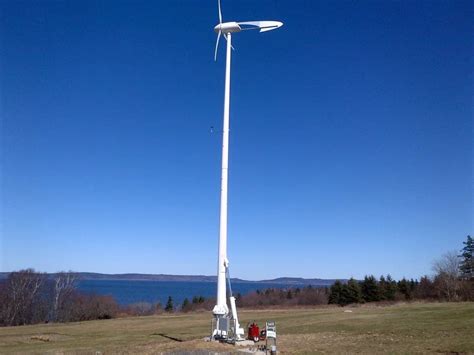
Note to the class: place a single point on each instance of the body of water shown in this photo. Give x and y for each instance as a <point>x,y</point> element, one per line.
<point>128,292</point>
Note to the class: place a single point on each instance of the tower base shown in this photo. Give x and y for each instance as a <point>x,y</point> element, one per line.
<point>224,328</point>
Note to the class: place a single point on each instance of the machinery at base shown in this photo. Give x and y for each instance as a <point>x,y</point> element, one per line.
<point>268,334</point>
<point>253,332</point>
<point>225,326</point>
<point>271,337</point>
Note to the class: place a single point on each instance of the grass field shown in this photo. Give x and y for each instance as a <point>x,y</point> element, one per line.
<point>403,328</point>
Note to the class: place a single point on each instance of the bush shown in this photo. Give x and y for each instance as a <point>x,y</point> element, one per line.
<point>141,309</point>
<point>91,306</point>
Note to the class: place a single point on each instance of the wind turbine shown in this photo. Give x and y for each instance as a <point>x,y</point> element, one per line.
<point>224,324</point>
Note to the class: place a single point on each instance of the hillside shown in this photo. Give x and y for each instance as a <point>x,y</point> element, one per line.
<point>296,281</point>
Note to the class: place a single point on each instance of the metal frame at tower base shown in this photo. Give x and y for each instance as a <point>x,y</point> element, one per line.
<point>224,329</point>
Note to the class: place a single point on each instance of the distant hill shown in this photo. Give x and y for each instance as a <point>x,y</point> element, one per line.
<point>301,281</point>
<point>296,281</point>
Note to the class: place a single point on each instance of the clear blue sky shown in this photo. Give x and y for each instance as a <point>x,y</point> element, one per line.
<point>351,136</point>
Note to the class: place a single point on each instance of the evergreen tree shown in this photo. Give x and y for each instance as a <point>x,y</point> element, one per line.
<point>169,305</point>
<point>383,286</point>
<point>466,267</point>
<point>344,298</point>
<point>390,289</point>
<point>370,289</point>
<point>185,305</point>
<point>352,292</point>
<point>404,288</point>
<point>413,284</point>
<point>335,293</point>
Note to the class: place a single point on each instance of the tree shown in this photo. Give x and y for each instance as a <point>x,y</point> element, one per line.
<point>311,296</point>
<point>425,289</point>
<point>447,275</point>
<point>448,264</point>
<point>335,293</point>
<point>169,305</point>
<point>383,285</point>
<point>344,294</point>
<point>24,298</point>
<point>370,289</point>
<point>404,288</point>
<point>186,305</point>
<point>64,286</point>
<point>466,266</point>
<point>390,289</point>
<point>352,292</point>
<point>140,309</point>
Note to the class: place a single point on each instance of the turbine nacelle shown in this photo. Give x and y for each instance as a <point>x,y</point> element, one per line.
<point>231,27</point>
<point>227,27</point>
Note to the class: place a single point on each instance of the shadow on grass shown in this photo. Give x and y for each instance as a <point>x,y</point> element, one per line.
<point>168,337</point>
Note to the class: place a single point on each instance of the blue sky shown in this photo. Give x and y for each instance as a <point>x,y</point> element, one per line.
<point>350,151</point>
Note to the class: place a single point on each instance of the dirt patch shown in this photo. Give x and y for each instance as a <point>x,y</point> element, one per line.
<point>35,338</point>
<point>48,337</point>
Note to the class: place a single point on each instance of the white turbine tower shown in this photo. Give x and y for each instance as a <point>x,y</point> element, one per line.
<point>226,326</point>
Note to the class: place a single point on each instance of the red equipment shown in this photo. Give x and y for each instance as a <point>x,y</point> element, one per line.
<point>254,332</point>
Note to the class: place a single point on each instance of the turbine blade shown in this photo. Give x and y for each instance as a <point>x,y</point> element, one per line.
<point>265,29</point>
<point>263,26</point>
<point>231,46</point>
<point>217,46</point>
<point>220,12</point>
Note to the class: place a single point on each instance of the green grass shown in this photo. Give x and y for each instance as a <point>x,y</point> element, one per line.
<point>404,328</point>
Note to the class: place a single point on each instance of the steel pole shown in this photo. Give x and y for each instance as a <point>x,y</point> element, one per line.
<point>221,306</point>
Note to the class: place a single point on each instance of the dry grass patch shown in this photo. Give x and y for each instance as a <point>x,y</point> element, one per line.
<point>405,328</point>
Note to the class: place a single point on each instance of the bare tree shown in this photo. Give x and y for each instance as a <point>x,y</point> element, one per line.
<point>140,309</point>
<point>29,297</point>
<point>64,286</point>
<point>447,275</point>
<point>21,294</point>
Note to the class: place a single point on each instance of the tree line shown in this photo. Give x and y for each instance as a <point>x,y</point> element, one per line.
<point>28,297</point>
<point>453,280</point>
